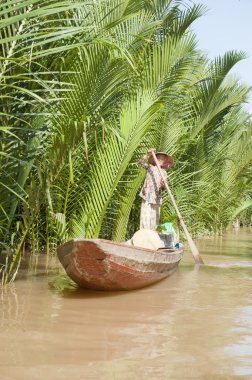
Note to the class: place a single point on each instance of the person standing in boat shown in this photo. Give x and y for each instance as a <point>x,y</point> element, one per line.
<point>151,192</point>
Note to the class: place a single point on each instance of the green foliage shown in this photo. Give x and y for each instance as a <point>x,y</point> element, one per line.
<point>86,89</point>
<point>62,283</point>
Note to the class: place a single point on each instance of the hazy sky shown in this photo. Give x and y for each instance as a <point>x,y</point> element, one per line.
<point>227,25</point>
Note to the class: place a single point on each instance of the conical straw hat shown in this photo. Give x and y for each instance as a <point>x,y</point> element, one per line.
<point>146,239</point>
<point>168,160</point>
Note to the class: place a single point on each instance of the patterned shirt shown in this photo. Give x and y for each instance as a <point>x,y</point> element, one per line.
<point>151,191</point>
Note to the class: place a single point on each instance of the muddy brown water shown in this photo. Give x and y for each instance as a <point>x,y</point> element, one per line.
<point>197,324</point>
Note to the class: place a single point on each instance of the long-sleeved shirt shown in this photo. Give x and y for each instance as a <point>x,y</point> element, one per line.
<point>151,191</point>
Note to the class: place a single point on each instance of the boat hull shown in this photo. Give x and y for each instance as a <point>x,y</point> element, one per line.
<point>105,265</point>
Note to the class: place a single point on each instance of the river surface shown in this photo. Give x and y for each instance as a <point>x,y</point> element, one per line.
<point>196,324</point>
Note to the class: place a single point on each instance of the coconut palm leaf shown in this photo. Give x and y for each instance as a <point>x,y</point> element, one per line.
<point>211,92</point>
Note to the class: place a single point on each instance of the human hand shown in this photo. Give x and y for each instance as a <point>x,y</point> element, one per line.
<point>162,184</point>
<point>149,151</point>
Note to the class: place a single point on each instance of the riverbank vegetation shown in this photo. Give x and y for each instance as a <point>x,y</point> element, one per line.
<point>86,88</point>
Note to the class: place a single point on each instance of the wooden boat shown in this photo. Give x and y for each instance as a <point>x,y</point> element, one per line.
<point>106,265</point>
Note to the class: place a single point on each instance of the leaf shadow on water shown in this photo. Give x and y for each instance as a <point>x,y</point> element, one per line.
<point>67,288</point>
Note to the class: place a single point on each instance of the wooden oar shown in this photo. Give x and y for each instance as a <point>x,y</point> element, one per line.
<point>191,243</point>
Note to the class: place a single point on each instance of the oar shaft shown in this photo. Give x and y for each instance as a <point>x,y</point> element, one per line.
<point>191,243</point>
